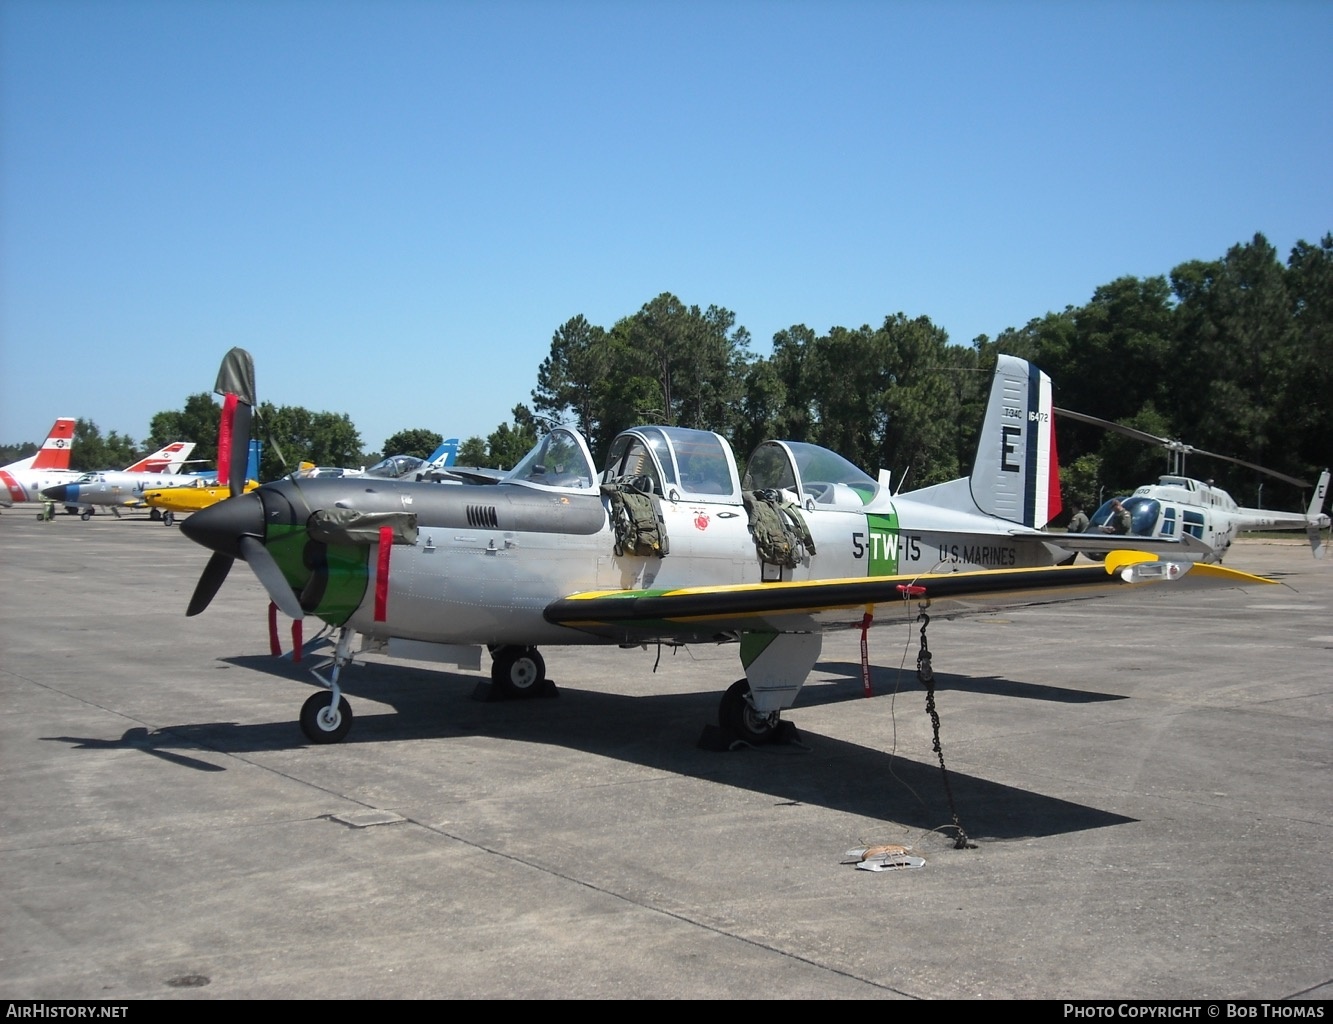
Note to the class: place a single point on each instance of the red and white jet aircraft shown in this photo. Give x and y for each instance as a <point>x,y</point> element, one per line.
<point>23,480</point>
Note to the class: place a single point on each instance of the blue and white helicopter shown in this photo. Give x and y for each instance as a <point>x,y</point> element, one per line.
<point>1198,513</point>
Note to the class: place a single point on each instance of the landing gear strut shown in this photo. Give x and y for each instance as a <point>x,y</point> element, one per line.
<point>326,717</point>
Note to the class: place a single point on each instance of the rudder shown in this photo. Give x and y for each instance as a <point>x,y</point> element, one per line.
<point>1016,475</point>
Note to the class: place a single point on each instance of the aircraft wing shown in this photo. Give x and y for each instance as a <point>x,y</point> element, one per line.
<point>693,614</point>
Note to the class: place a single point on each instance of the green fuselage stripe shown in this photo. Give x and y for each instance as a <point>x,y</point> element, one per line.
<point>883,544</point>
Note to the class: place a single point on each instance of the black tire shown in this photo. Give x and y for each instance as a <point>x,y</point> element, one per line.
<point>736,715</point>
<point>86,514</point>
<point>323,724</point>
<point>155,514</point>
<point>517,671</point>
<point>168,518</point>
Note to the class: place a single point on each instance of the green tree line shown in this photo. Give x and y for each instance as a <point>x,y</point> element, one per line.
<point>1232,355</point>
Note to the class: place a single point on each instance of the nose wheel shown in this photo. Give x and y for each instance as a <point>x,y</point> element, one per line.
<point>326,717</point>
<point>323,721</point>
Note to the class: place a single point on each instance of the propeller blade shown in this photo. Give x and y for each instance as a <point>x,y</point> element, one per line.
<point>240,449</point>
<point>209,581</point>
<point>265,567</point>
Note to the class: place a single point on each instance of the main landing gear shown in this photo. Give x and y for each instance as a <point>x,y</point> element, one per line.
<point>517,672</point>
<point>776,666</point>
<point>736,714</point>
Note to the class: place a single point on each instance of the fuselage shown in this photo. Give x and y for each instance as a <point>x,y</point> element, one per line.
<point>113,487</point>
<point>488,560</point>
<point>19,485</point>
<point>1176,507</point>
<point>188,498</point>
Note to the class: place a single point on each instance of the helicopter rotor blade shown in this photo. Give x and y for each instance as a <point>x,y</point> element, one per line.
<point>1250,465</point>
<point>1175,446</point>
<point>1119,428</point>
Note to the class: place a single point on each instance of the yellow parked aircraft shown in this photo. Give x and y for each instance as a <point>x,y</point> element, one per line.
<point>184,500</point>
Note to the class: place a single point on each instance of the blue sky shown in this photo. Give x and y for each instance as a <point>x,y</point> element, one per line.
<point>393,205</point>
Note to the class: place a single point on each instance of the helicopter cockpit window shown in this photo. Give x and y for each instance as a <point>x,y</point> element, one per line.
<point>1143,515</point>
<point>558,460</point>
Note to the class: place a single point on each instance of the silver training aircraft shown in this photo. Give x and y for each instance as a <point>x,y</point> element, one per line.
<point>670,541</point>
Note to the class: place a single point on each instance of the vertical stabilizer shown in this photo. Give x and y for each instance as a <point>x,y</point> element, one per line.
<point>1315,520</point>
<point>445,454</point>
<point>168,459</point>
<point>55,450</point>
<point>1016,475</point>
<point>252,459</point>
<point>1316,508</point>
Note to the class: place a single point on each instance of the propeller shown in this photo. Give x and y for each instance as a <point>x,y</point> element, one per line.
<point>1179,448</point>
<point>235,528</point>
<point>210,581</point>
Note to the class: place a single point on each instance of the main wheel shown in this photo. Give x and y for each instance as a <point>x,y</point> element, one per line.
<point>86,514</point>
<point>517,671</point>
<point>168,518</point>
<point>323,723</point>
<point>737,715</point>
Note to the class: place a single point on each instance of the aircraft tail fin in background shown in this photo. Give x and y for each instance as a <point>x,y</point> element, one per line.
<point>445,455</point>
<point>55,450</point>
<point>1016,474</point>
<point>164,460</point>
<point>1315,520</point>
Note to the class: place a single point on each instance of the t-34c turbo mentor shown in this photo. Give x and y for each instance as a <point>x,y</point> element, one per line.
<point>668,542</point>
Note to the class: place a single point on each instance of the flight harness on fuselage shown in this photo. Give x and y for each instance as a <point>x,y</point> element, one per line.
<point>780,534</point>
<point>636,517</point>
